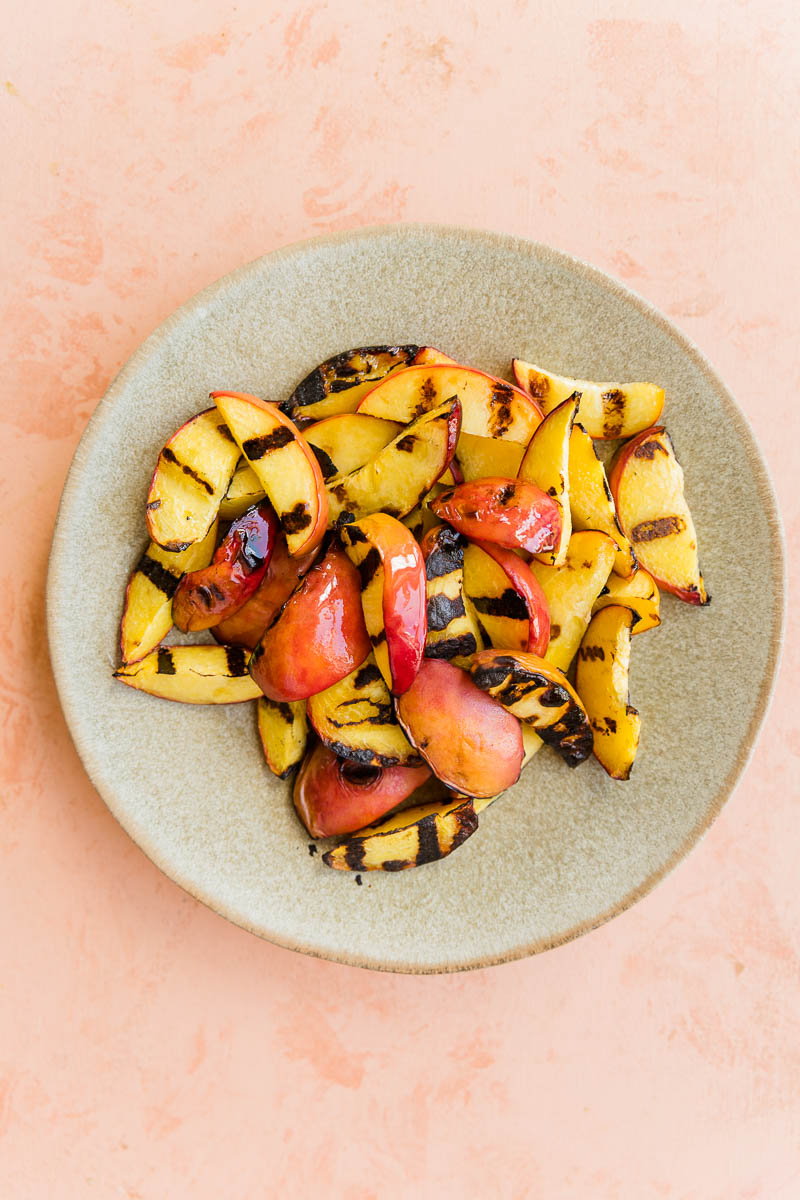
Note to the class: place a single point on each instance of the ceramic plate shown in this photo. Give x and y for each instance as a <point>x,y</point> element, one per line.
<point>562,851</point>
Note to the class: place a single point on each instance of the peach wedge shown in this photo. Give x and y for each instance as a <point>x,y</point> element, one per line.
<point>606,410</point>
<point>546,463</point>
<point>193,675</point>
<point>590,500</point>
<point>340,382</point>
<point>333,796</point>
<point>410,838</point>
<point>647,482</point>
<point>601,680</point>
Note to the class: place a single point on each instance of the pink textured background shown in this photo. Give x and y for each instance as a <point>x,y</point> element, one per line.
<point>147,1048</point>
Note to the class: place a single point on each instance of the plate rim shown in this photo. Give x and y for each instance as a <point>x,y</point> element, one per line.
<point>761,476</point>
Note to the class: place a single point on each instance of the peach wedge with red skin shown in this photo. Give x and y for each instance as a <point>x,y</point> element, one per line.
<point>527,586</point>
<point>490,407</point>
<point>333,795</point>
<point>536,692</point>
<point>646,480</point>
<point>318,637</point>
<point>508,512</point>
<point>284,463</point>
<point>469,741</point>
<point>392,574</point>
<point>453,631</point>
<point>205,597</point>
<point>246,626</point>
<point>606,410</point>
<point>192,475</point>
<point>546,463</point>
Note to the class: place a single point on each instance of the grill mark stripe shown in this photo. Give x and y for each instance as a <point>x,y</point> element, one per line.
<point>236,660</point>
<point>256,447</point>
<point>649,531</point>
<point>369,566</point>
<point>354,854</point>
<point>442,609</point>
<point>165,663</point>
<point>509,604</point>
<point>449,648</point>
<point>171,457</point>
<point>158,575</point>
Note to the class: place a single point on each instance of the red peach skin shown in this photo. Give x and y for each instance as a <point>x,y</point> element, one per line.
<point>507,512</point>
<point>246,626</point>
<point>333,796</point>
<point>318,637</point>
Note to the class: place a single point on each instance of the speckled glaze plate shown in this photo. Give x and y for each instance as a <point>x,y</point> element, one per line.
<point>563,850</point>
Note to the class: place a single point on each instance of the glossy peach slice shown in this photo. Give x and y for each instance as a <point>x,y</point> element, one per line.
<point>246,626</point>
<point>318,637</point>
<point>546,463</point>
<point>467,739</point>
<point>392,574</point>
<point>334,795</point>
<point>205,597</point>
<point>508,512</point>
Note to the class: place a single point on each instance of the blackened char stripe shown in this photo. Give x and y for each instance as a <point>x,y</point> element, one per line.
<point>368,566</point>
<point>236,659</point>
<point>429,848</point>
<point>449,648</point>
<point>444,609</point>
<point>165,664</point>
<point>257,447</point>
<point>510,604</point>
<point>159,576</point>
<point>171,457</point>
<point>354,854</point>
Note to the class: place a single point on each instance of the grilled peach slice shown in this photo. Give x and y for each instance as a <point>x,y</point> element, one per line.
<point>243,492</point>
<point>639,593</point>
<point>193,675</point>
<point>490,407</point>
<point>571,590</point>
<point>527,586</point>
<point>392,575</point>
<point>590,499</point>
<point>283,730</point>
<point>284,464</point>
<point>205,597</point>
<point>501,612</point>
<point>318,636</point>
<point>481,457</point>
<point>647,483</point>
<point>246,626</point>
<point>336,795</point>
<point>191,477</point>
<point>346,442</point>
<point>403,473</point>
<point>606,410</point>
<point>537,692</point>
<point>147,614</point>
<point>601,679</point>
<point>338,384</point>
<point>508,512</point>
<point>546,463</point>
<point>468,740</point>
<point>410,838</point>
<point>453,631</point>
<point>355,719</point>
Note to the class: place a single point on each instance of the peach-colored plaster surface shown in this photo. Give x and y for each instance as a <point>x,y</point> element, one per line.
<point>148,1049</point>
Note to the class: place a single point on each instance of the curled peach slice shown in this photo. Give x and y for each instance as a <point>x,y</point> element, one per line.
<point>410,838</point>
<point>509,512</point>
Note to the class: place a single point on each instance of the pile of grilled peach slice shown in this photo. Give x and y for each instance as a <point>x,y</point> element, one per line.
<point>421,574</point>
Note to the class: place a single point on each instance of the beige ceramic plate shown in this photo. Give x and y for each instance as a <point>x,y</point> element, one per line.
<point>564,850</point>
